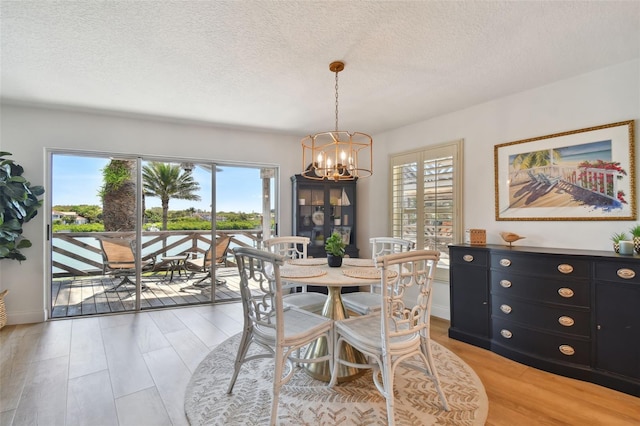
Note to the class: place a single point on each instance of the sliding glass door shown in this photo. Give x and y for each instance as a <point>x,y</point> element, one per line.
<point>93,234</point>
<point>138,233</point>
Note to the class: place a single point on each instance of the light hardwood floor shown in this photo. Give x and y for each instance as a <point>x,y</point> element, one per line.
<point>132,369</point>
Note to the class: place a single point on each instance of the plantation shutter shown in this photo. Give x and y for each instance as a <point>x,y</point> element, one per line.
<point>426,197</point>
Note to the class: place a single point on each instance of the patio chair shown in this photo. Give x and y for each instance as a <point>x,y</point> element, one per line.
<point>400,331</point>
<point>118,259</point>
<point>281,332</point>
<point>366,302</point>
<point>548,180</point>
<point>215,256</point>
<point>295,247</point>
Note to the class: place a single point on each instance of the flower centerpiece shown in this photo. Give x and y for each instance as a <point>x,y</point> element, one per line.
<point>334,247</point>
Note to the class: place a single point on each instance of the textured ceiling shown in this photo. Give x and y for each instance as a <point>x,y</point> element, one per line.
<point>265,64</point>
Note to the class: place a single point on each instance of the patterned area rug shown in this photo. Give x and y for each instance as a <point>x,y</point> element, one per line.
<point>306,401</point>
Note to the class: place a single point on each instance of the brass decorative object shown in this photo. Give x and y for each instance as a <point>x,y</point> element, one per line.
<point>337,155</point>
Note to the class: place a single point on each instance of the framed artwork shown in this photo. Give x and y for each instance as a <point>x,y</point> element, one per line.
<point>345,233</point>
<point>586,174</point>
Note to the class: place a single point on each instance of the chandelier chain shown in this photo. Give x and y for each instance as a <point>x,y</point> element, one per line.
<point>337,101</point>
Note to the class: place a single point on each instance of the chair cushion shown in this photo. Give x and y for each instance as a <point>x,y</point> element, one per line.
<point>366,331</point>
<point>308,300</point>
<point>361,302</point>
<point>298,325</point>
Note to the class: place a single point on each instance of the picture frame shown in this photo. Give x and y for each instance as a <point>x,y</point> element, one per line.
<point>585,174</point>
<point>345,233</point>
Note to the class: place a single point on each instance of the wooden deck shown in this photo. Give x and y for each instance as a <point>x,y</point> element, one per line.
<point>76,296</point>
<point>563,194</point>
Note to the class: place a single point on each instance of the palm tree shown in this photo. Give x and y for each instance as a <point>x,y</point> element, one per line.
<point>118,195</point>
<point>530,160</point>
<point>166,181</point>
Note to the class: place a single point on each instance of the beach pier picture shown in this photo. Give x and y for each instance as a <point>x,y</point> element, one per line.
<point>582,179</point>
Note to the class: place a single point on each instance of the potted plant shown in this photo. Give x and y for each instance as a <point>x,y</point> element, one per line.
<point>616,238</point>
<point>635,233</point>
<point>19,204</point>
<point>334,247</point>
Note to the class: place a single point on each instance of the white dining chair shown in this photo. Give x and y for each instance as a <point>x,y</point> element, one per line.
<point>398,332</point>
<point>280,331</point>
<point>366,302</point>
<point>295,247</point>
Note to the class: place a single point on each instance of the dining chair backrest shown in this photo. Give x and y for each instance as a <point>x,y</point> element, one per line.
<point>260,288</point>
<point>291,247</point>
<point>403,315</point>
<point>389,245</point>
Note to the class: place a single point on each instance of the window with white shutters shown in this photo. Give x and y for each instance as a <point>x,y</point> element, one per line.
<point>426,197</point>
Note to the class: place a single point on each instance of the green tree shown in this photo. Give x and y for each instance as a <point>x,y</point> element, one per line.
<point>118,195</point>
<point>528,160</point>
<point>167,181</point>
<point>92,213</point>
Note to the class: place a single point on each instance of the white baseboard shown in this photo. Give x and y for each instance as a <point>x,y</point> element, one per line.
<point>26,317</point>
<point>440,311</point>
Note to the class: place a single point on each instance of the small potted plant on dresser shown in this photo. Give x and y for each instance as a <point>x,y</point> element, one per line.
<point>635,235</point>
<point>334,247</point>
<point>616,238</point>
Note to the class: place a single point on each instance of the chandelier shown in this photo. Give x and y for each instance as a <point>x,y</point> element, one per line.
<point>337,155</point>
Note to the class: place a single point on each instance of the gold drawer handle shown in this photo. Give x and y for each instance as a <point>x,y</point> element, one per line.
<point>505,262</point>
<point>467,258</point>
<point>505,283</point>
<point>505,308</point>
<point>565,292</point>
<point>565,268</point>
<point>567,350</point>
<point>506,334</point>
<point>566,321</point>
<point>626,273</point>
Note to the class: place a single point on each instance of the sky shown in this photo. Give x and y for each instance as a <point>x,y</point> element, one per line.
<point>77,180</point>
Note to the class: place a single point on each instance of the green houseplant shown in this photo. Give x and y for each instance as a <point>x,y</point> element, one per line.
<point>19,204</point>
<point>635,233</point>
<point>334,247</point>
<point>616,238</point>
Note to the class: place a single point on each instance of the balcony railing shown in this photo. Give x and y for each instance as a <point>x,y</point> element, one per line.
<point>79,253</point>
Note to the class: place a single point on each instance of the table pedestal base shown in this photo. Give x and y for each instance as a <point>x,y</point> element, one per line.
<point>334,309</point>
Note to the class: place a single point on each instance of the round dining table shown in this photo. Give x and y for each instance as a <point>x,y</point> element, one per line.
<point>317,272</point>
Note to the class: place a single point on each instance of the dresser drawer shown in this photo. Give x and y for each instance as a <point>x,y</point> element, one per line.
<point>550,318</point>
<point>618,272</point>
<point>543,266</point>
<point>565,292</point>
<point>469,256</point>
<point>541,344</point>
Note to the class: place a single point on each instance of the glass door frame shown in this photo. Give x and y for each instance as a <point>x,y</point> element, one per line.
<point>268,192</point>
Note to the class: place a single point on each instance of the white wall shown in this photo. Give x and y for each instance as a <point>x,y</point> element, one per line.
<point>604,96</point>
<point>27,132</point>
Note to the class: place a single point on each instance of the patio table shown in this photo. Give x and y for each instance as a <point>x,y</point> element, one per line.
<point>176,263</point>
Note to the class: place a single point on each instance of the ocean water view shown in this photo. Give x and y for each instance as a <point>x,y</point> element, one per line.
<point>604,155</point>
